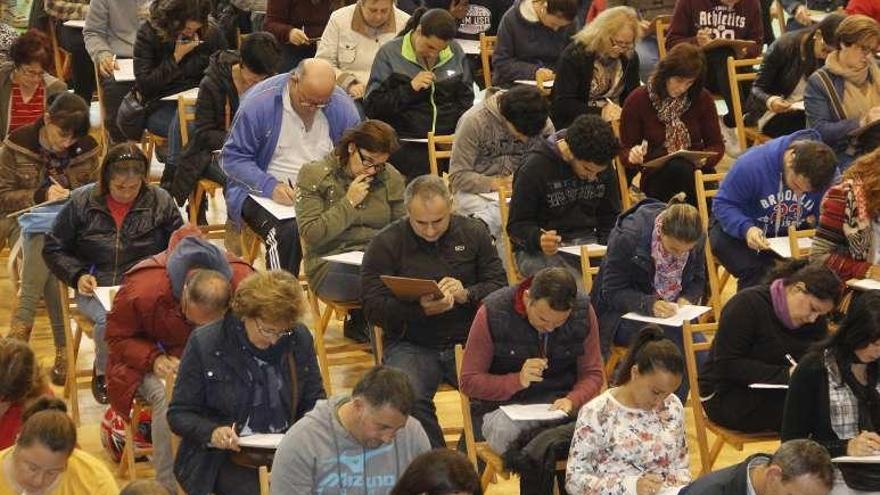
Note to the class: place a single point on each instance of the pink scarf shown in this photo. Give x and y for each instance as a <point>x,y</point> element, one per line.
<point>667,266</point>
<point>780,303</point>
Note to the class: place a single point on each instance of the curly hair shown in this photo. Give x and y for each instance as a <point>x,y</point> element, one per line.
<point>864,169</point>
<point>274,296</point>
<point>590,138</point>
<point>32,46</point>
<point>169,17</point>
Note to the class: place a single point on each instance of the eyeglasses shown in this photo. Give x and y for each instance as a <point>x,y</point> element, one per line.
<point>623,45</point>
<point>271,335</point>
<point>369,162</point>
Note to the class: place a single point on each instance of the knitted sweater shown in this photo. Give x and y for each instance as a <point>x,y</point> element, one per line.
<point>832,244</point>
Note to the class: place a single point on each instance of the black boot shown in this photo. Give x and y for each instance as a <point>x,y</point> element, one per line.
<point>356,327</point>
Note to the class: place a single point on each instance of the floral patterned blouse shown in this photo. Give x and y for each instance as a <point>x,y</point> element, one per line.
<point>614,445</point>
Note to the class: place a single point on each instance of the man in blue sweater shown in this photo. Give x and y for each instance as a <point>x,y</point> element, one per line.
<point>282,123</point>
<point>770,187</point>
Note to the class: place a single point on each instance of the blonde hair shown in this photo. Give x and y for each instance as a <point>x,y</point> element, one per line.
<point>858,30</point>
<point>274,296</point>
<point>596,36</point>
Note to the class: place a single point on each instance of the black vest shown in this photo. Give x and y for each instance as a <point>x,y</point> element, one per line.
<point>515,341</point>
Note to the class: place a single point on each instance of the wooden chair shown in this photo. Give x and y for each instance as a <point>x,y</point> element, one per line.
<point>326,354</point>
<point>513,275</point>
<point>131,453</point>
<point>778,15</point>
<point>439,148</point>
<point>661,25</point>
<point>707,187</point>
<point>622,184</point>
<point>702,423</point>
<point>794,241</point>
<point>102,112</point>
<point>71,316</point>
<point>745,135</point>
<point>265,478</point>
<point>487,48</point>
<point>60,57</point>
<point>251,244</point>
<point>149,142</point>
<point>186,113</point>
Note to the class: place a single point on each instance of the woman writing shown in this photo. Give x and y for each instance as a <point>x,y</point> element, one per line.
<point>20,383</point>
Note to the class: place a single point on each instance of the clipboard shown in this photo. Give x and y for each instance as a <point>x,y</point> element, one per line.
<point>739,46</point>
<point>411,289</point>
<point>697,158</point>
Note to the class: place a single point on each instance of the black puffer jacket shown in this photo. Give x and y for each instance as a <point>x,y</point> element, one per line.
<point>155,71</point>
<point>215,91</point>
<point>85,235</point>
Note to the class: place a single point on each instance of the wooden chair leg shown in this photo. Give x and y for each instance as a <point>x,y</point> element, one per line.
<point>488,477</point>
<point>321,348</point>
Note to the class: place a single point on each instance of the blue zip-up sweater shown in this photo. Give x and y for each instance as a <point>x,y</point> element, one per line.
<point>251,142</point>
<point>750,193</point>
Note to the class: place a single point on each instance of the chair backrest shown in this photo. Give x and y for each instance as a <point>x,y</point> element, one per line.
<point>622,184</point>
<point>794,241</point>
<point>691,348</point>
<point>661,25</point>
<point>60,57</point>
<point>469,439</point>
<point>778,13</point>
<point>707,186</point>
<point>588,271</point>
<point>265,479</point>
<point>513,275</point>
<point>736,77</point>
<point>487,49</point>
<point>186,113</point>
<point>439,148</point>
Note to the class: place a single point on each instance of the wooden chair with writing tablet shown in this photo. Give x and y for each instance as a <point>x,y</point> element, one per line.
<point>745,135</point>
<point>707,186</point>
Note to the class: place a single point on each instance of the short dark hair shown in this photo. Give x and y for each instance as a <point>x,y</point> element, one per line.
<point>860,326</point>
<point>650,349</point>
<point>208,289</point>
<point>525,108</point>
<point>32,46</point>
<point>801,457</point>
<point>557,286</point>
<point>383,385</point>
<point>169,17</point>
<point>683,60</point>
<point>819,281</point>
<point>434,22</point>
<point>122,159</point>
<point>20,378</point>
<point>814,160</point>
<point>260,53</point>
<point>69,112</point>
<point>371,135</point>
<point>439,472</point>
<point>567,9</point>
<point>46,421</point>
<point>590,138</point>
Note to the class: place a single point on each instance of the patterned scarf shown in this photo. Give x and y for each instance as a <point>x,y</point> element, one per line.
<point>56,165</point>
<point>669,111</point>
<point>667,266</point>
<point>607,79</point>
<point>856,224</point>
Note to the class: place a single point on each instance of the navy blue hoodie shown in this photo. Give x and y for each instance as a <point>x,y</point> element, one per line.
<point>754,190</point>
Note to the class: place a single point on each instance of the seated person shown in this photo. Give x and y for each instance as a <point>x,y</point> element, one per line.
<point>474,17</point>
<point>439,472</point>
<point>429,243</point>
<point>296,25</point>
<point>253,371</point>
<point>763,331</point>
<point>344,200</point>
<point>649,53</point>
<point>531,36</point>
<point>631,439</point>
<point>654,263</point>
<point>44,161</point>
<point>783,75</point>
<point>598,69</point>
<point>229,74</point>
<point>832,395</point>
<point>770,187</point>
<point>561,365</point>
<point>161,300</point>
<point>845,94</point>
<point>491,142</point>
<point>848,222</point>
<point>420,82</point>
<point>798,466</point>
<point>110,31</point>
<point>283,123</point>
<point>702,21</point>
<point>103,230</point>
<point>25,86</point>
<point>672,112</point>
<point>145,487</point>
<point>70,39</point>
<point>45,458</point>
<point>20,384</point>
<point>354,35</point>
<point>565,193</point>
<point>799,14</point>
<point>324,450</point>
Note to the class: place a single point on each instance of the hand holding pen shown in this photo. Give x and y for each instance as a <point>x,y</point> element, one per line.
<point>225,438</point>
<point>87,282</point>
<point>756,240</point>
<point>56,191</point>
<point>284,194</point>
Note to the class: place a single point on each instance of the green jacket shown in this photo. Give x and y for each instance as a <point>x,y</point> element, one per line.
<point>328,224</point>
<point>50,83</point>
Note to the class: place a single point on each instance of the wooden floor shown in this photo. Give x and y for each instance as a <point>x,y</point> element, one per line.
<point>343,379</point>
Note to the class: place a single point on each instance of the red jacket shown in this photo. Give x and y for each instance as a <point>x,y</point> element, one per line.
<point>145,314</point>
<point>742,22</point>
<point>864,7</point>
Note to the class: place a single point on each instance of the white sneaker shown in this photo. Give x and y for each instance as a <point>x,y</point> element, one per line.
<point>731,141</point>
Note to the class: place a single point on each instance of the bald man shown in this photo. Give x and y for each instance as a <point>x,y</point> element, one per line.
<point>282,123</point>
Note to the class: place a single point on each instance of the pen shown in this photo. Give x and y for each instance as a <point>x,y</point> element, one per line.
<point>92,270</point>
<point>791,359</point>
<point>608,100</point>
<point>161,347</point>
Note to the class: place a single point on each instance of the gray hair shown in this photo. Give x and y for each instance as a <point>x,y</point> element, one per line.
<point>426,187</point>
<point>208,289</point>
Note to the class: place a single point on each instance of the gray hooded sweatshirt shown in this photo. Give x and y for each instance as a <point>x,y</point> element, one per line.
<point>317,452</point>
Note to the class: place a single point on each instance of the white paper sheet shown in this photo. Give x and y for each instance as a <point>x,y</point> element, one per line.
<point>191,93</point>
<point>685,313</point>
<point>78,24</point>
<point>103,295</point>
<point>782,247</point>
<point>864,284</point>
<point>491,196</point>
<point>868,459</point>
<point>597,249</point>
<point>531,412</point>
<point>530,82</point>
<point>261,441</point>
<point>415,140</point>
<point>125,72</point>
<point>355,258</point>
<point>798,105</point>
<point>768,386</point>
<point>470,47</point>
<point>278,210</point>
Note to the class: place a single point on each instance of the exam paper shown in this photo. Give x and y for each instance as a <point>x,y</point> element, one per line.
<point>261,440</point>
<point>355,258</point>
<point>532,412</point>
<point>685,313</point>
<point>278,210</point>
<point>594,249</point>
<point>125,72</point>
<point>769,386</point>
<point>782,246</point>
<point>104,295</point>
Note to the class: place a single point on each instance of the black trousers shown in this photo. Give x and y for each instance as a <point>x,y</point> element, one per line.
<point>783,124</point>
<point>718,83</point>
<point>747,265</point>
<point>676,176</point>
<point>411,160</point>
<point>71,39</point>
<point>747,410</point>
<point>283,250</point>
<point>233,479</point>
<point>114,92</point>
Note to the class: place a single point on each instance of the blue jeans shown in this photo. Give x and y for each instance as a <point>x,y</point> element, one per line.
<point>94,310</point>
<point>649,55</point>
<point>427,369</point>
<point>162,112</point>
